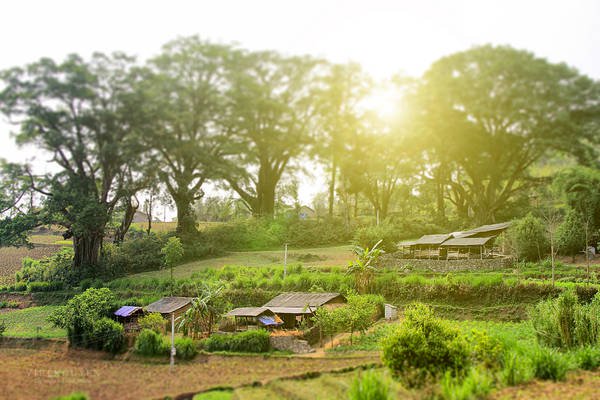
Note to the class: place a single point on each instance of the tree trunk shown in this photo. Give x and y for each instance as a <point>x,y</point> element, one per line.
<point>87,250</point>
<point>125,223</point>
<point>332,186</point>
<point>186,222</point>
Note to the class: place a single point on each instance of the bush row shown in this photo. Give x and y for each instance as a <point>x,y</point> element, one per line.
<point>245,342</point>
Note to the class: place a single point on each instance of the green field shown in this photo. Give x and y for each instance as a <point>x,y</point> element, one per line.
<point>319,257</point>
<point>30,323</point>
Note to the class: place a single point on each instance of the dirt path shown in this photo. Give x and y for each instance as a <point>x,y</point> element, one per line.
<point>43,374</point>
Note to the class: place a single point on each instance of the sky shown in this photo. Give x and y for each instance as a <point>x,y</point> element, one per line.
<point>386,37</point>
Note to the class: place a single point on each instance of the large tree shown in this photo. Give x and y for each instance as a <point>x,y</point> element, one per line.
<point>379,163</point>
<point>268,123</point>
<point>339,105</point>
<point>186,85</point>
<point>489,113</point>
<point>86,115</point>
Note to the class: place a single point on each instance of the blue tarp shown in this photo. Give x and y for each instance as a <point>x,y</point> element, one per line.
<point>265,320</point>
<point>126,311</point>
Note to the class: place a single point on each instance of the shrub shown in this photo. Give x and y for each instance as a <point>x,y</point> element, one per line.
<point>588,358</point>
<point>150,343</point>
<point>108,335</point>
<point>486,349</point>
<point>186,348</point>
<point>44,286</point>
<point>564,323</point>
<point>477,384</point>
<point>369,386</point>
<point>529,237</point>
<point>2,327</point>
<point>56,267</point>
<point>133,255</point>
<point>80,313</point>
<point>247,342</point>
<point>549,364</point>
<point>20,287</point>
<point>424,347</point>
<point>368,235</point>
<point>153,321</point>
<point>570,236</point>
<point>73,396</point>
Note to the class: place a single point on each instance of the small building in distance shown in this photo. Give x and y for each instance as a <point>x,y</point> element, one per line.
<point>128,316</point>
<point>170,307</point>
<point>467,247</point>
<point>254,317</point>
<point>477,242</point>
<point>294,307</point>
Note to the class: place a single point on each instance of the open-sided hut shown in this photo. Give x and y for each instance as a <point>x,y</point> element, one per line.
<point>170,307</point>
<point>254,317</point>
<point>428,246</point>
<point>485,231</point>
<point>478,247</point>
<point>293,307</point>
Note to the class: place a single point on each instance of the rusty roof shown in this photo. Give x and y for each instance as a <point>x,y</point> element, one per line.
<point>467,242</point>
<point>486,229</point>
<point>433,239</point>
<point>293,310</point>
<point>167,305</point>
<point>301,300</point>
<point>247,312</point>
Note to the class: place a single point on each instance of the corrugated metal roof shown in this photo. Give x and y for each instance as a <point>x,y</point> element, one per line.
<point>407,243</point>
<point>246,312</point>
<point>127,311</point>
<point>301,299</point>
<point>292,310</point>
<point>466,242</point>
<point>486,229</point>
<point>433,239</point>
<point>167,305</point>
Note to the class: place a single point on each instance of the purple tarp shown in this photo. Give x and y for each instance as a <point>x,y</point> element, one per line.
<point>127,311</point>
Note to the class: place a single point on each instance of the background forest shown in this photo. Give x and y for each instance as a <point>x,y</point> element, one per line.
<point>486,135</point>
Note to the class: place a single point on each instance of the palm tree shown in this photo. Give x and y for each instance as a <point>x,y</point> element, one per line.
<point>364,268</point>
<point>205,309</point>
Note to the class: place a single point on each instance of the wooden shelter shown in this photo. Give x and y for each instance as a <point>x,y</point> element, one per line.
<point>428,246</point>
<point>128,316</point>
<point>478,247</point>
<point>254,317</point>
<point>294,307</point>
<point>170,307</point>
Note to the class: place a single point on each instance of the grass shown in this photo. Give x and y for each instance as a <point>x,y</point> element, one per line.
<point>49,239</point>
<point>327,256</point>
<point>30,323</point>
<point>215,395</point>
<point>510,333</point>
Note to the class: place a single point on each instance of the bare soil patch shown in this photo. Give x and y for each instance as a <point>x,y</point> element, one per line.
<point>581,385</point>
<point>10,259</point>
<point>42,374</point>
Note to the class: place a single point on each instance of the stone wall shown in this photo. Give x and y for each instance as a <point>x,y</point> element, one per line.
<point>290,343</point>
<point>394,261</point>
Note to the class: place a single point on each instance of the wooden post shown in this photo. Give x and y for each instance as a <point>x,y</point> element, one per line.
<point>172,364</point>
<point>285,262</point>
